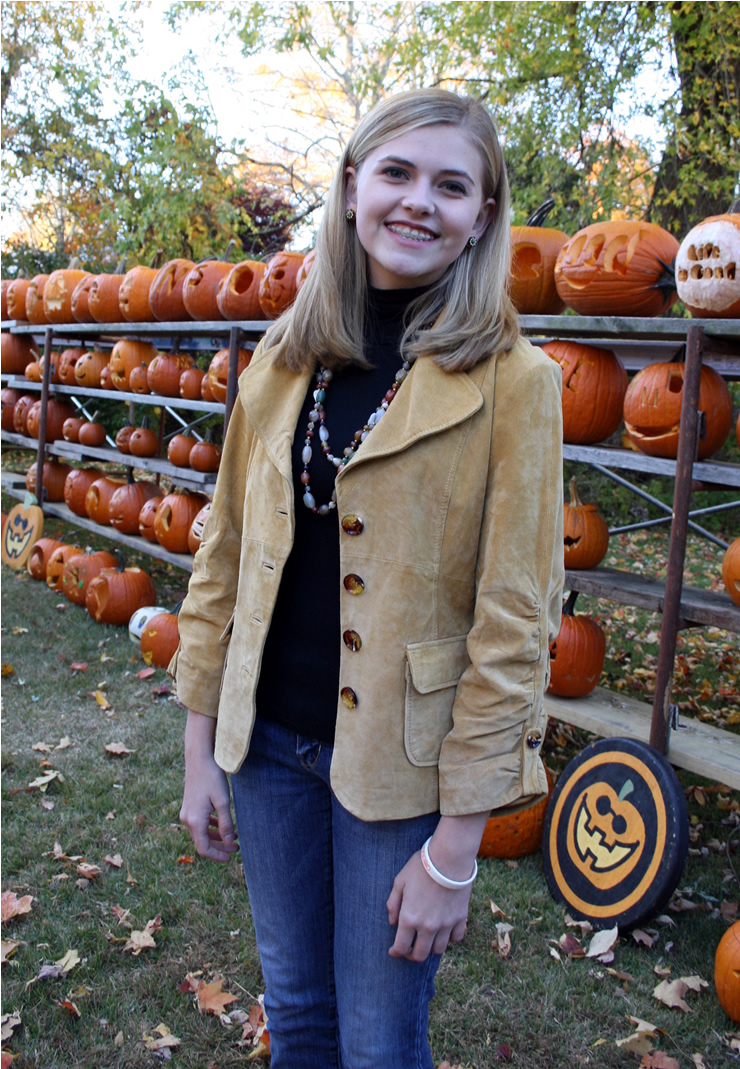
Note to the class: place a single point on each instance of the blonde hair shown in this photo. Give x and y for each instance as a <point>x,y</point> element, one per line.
<point>460,319</point>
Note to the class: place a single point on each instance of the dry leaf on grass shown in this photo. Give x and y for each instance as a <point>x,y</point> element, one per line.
<point>101,698</point>
<point>116,860</point>
<point>603,943</point>
<point>8,1022</point>
<point>495,909</point>
<point>163,1040</point>
<point>78,666</point>
<point>571,946</point>
<point>503,939</point>
<point>728,911</point>
<point>659,1060</point>
<point>12,906</point>
<point>145,673</point>
<point>8,948</point>
<point>42,747</point>
<point>642,937</point>
<point>143,940</point>
<point>671,992</point>
<point>118,749</point>
<point>698,1060</point>
<point>69,1007</point>
<point>640,1041</point>
<point>88,871</point>
<point>212,998</point>
<point>42,782</point>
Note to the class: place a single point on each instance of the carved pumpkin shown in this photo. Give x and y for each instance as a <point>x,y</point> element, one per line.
<point>200,289</point>
<point>20,412</point>
<point>128,501</point>
<point>38,560</point>
<point>8,399</point>
<point>133,296</point>
<point>76,485</point>
<point>32,371</point>
<point>159,639</point>
<point>163,374</point>
<point>727,972</point>
<point>106,378</point>
<point>66,366</point>
<point>144,442</point>
<point>218,371</point>
<point>190,382</point>
<point>4,301</point>
<point>585,532</point>
<point>174,518</point>
<point>52,479</point>
<point>178,450</point>
<point>128,355</point>
<point>205,389</point>
<point>55,566</point>
<point>278,285</point>
<point>576,655</point>
<point>80,570</point>
<point>123,437</point>
<point>103,298</point>
<point>81,300</point>
<point>238,295</point>
<point>652,410</point>
<point>534,251</point>
<point>57,412</point>
<point>88,369</point>
<point>303,271</point>
<point>594,385</point>
<point>35,300</point>
<point>16,352</point>
<point>147,516</point>
<point>518,833</point>
<point>731,570</point>
<point>138,380</point>
<point>205,456</point>
<point>195,535</point>
<point>115,595</point>
<point>707,278</point>
<point>165,292</point>
<point>98,499</point>
<point>53,370</point>
<point>618,268</point>
<point>91,434</point>
<point>16,300</point>
<point>71,428</point>
<point>58,294</point>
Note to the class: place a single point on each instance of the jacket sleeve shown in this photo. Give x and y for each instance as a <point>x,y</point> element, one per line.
<point>490,758</point>
<point>206,614</point>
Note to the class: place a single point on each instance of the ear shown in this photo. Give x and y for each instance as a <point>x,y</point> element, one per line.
<point>485,218</point>
<point>350,190</point>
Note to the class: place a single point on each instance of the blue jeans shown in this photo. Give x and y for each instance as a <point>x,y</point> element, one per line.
<point>318,881</point>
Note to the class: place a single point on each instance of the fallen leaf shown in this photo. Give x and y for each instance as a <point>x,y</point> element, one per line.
<point>185,859</point>
<point>146,672</point>
<point>118,1041</point>
<point>659,1060</point>
<point>68,962</point>
<point>672,992</point>
<point>117,749</point>
<point>42,782</point>
<point>101,698</point>
<point>7,670</point>
<point>116,860</point>
<point>64,743</point>
<point>47,972</point>
<point>69,1007</point>
<point>190,983</point>
<point>12,906</point>
<point>603,943</point>
<point>20,630</point>
<point>585,926</point>
<point>728,911</point>
<point>698,1060</point>
<point>625,976</point>
<point>106,657</point>
<point>139,941</point>
<point>663,971</point>
<point>495,910</point>
<point>212,998</point>
<point>164,1040</point>
<point>79,666</point>
<point>642,937</point>
<point>47,803</point>
<point>571,946</point>
<point>640,1041</point>
<point>554,954</point>
<point>503,939</point>
<point>503,1053</point>
<point>8,1022</point>
<point>88,871</point>
<point>42,747</point>
<point>8,948</point>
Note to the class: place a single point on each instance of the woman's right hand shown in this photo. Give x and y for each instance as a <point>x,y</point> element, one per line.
<point>206,792</point>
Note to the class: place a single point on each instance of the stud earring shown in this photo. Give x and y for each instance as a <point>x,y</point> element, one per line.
<point>350,215</point>
<point>472,241</point>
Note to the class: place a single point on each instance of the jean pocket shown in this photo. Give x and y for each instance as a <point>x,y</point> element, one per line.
<point>433,670</point>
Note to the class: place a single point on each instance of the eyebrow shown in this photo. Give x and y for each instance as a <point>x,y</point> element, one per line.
<point>410,163</point>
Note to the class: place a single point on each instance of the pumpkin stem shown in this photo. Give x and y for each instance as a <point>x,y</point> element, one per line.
<point>229,250</point>
<point>157,259</point>
<point>121,266</point>
<point>130,476</point>
<point>121,565</point>
<point>537,218</point>
<point>575,501</point>
<point>570,604</point>
<point>667,281</point>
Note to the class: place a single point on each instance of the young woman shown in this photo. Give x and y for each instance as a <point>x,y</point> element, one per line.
<point>364,645</point>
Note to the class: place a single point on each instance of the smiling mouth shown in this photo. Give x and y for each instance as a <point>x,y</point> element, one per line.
<point>410,232</point>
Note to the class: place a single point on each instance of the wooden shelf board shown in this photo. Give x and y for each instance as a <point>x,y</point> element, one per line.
<point>708,608</point>
<point>217,407</point>
<point>695,746</point>
<point>218,328</point>
<point>640,327</point>
<point>136,542</point>
<point>719,472</point>
<point>204,482</point>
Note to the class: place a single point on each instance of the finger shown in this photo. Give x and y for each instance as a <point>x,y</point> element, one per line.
<point>458,932</point>
<point>441,941</point>
<point>403,944</point>
<point>393,905</point>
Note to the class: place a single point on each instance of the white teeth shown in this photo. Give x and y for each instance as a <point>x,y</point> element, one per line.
<point>408,232</point>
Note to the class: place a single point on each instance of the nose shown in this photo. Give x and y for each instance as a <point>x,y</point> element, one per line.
<point>418,197</point>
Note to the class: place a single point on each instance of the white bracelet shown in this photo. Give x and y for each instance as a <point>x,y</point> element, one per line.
<point>436,875</point>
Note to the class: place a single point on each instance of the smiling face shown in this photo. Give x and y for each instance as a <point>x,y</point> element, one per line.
<point>418,198</point>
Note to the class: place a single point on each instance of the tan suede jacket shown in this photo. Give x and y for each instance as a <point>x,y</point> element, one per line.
<point>456,504</point>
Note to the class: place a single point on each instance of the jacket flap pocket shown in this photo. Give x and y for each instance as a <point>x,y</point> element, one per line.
<point>435,665</point>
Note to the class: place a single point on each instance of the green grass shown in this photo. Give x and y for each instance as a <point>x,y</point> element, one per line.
<point>552,1015</point>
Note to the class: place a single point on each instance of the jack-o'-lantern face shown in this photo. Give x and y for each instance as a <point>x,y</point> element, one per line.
<point>607,834</point>
<point>707,277</point>
<point>22,529</point>
<point>278,284</point>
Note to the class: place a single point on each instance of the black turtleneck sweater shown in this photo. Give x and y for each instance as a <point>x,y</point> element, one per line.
<point>299,679</point>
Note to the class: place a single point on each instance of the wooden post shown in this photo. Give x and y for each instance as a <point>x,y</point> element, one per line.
<point>688,439</point>
<point>232,383</point>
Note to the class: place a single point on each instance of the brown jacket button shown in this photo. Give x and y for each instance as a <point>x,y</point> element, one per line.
<point>534,738</point>
<point>349,697</point>
<point>354,584</point>
<point>352,525</point>
<point>352,640</point>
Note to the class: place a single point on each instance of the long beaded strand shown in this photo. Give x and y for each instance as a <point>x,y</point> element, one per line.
<point>318,415</point>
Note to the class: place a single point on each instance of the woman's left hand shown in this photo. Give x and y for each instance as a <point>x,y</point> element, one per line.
<point>430,916</point>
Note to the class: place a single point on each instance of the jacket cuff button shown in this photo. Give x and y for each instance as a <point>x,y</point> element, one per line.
<point>534,739</point>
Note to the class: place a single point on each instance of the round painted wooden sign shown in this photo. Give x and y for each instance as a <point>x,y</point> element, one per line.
<point>616,833</point>
<point>22,528</point>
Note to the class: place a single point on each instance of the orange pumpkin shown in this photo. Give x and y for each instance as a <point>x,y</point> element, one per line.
<point>55,566</point>
<point>138,380</point>
<point>534,251</point>
<point>98,499</point>
<point>53,370</point>
<point>190,382</point>
<point>15,297</point>
<point>205,456</point>
<point>106,378</point>
<point>147,516</point>
<point>133,296</point>
<point>20,412</point>
<point>8,399</point>
<point>179,448</point>
<point>516,833</point>
<point>174,517</point>
<point>115,595</point>
<point>205,389</point>
<point>91,434</point>
<point>727,972</point>
<point>238,295</point>
<point>71,428</point>
<point>652,410</point>
<point>165,292</point>
<point>594,385</point>
<point>128,355</point>
<point>88,369</point>
<point>195,535</point>
<point>278,285</point>
<point>586,534</point>
<point>58,294</point>
<point>707,278</point>
<point>731,570</point>
<point>159,639</point>
<point>80,570</point>
<point>38,561</point>
<point>576,655</point>
<point>128,501</point>
<point>618,268</point>
<point>32,371</point>
<point>66,366</point>
<point>76,485</point>
<point>52,479</point>
<point>303,271</point>
<point>103,297</point>
<point>200,289</point>
<point>16,352</point>
<point>144,442</point>
<point>35,300</point>
<point>4,301</point>
<point>123,437</point>
<point>218,371</point>
<point>57,412</point>
<point>163,374</point>
<point>81,300</point>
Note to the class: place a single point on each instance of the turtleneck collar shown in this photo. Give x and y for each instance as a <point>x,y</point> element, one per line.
<point>391,304</point>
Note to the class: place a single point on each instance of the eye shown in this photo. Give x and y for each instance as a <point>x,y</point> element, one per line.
<point>455,187</point>
<point>395,172</point>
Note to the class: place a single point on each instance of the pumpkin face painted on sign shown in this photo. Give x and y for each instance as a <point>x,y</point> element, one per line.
<point>618,268</point>
<point>652,410</point>
<point>608,833</point>
<point>707,276</point>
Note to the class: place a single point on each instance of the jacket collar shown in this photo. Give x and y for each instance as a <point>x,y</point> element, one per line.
<point>430,401</point>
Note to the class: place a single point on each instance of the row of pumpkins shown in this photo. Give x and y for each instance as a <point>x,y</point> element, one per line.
<point>613,267</point>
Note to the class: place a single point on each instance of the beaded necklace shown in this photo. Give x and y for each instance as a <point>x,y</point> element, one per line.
<point>318,415</point>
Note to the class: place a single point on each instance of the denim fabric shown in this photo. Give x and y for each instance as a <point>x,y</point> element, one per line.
<point>318,881</point>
